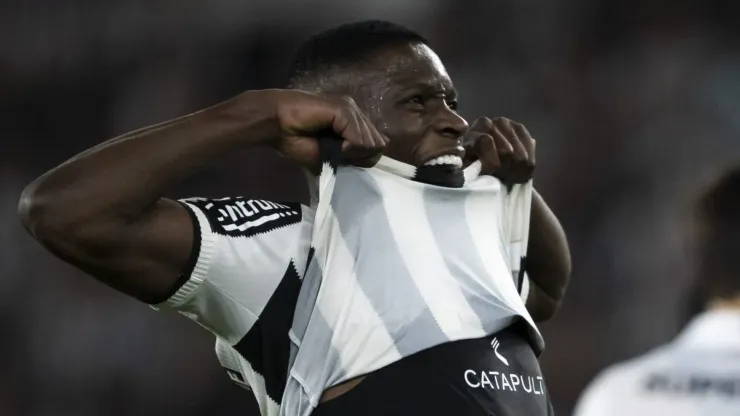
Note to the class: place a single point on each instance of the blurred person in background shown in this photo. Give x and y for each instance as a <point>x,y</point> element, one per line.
<point>698,373</point>
<point>234,265</point>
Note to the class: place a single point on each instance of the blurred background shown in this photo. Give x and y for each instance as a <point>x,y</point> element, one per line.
<point>633,103</point>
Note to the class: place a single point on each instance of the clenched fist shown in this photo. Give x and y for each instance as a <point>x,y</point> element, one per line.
<point>504,147</point>
<point>305,117</point>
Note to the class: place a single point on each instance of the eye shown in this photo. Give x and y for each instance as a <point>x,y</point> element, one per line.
<point>452,104</point>
<point>416,100</point>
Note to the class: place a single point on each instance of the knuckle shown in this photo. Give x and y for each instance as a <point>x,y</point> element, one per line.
<point>482,124</point>
<point>502,123</point>
<point>347,100</point>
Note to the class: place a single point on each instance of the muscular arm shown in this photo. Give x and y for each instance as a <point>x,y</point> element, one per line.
<point>103,210</point>
<point>548,261</point>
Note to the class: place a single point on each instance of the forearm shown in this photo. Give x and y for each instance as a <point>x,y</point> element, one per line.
<point>548,260</point>
<point>125,176</point>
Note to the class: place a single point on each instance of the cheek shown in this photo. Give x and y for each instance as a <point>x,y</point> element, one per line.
<point>404,128</point>
<point>404,138</point>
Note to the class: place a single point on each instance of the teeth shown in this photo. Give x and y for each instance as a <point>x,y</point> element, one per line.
<point>445,160</point>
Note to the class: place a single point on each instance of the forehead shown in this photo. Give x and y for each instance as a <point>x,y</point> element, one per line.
<point>409,65</point>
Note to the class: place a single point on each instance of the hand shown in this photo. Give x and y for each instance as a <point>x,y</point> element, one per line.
<point>304,117</point>
<point>504,147</point>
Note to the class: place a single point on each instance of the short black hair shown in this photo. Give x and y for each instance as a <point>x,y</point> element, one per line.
<point>717,214</point>
<point>343,47</point>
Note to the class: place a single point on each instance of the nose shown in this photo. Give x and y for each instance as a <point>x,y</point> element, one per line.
<point>449,124</point>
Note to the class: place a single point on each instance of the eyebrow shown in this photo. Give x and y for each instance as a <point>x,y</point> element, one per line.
<point>447,90</point>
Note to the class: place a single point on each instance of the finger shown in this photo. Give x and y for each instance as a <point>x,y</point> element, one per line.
<point>378,140</point>
<point>369,157</point>
<point>368,141</point>
<point>368,162</point>
<point>526,139</point>
<point>352,130</point>
<point>488,155</point>
<point>469,142</point>
<point>482,125</point>
<point>533,152</point>
<point>503,147</point>
<point>367,136</point>
<point>345,126</point>
<point>358,152</point>
<point>505,127</point>
<point>354,140</point>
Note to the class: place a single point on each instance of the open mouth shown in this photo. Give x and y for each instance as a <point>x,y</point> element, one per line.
<point>446,160</point>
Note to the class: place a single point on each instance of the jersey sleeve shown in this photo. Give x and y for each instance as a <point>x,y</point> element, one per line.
<point>516,219</point>
<point>246,262</point>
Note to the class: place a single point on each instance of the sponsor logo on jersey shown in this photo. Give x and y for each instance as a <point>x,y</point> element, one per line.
<point>497,380</point>
<point>240,217</point>
<point>495,344</point>
<point>504,381</point>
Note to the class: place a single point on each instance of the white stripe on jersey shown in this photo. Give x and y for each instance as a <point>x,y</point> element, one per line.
<point>348,340</point>
<point>446,301</point>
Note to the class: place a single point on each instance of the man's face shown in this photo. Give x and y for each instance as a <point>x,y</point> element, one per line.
<point>411,99</point>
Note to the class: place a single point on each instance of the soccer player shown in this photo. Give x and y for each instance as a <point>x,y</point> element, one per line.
<point>234,265</point>
<point>698,373</point>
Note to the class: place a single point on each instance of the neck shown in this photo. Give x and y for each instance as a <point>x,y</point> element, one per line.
<point>434,175</point>
<point>725,304</point>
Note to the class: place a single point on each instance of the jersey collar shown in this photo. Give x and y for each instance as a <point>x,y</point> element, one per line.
<point>426,173</point>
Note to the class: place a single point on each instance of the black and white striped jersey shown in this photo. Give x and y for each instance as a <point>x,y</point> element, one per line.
<point>302,298</point>
<point>247,263</point>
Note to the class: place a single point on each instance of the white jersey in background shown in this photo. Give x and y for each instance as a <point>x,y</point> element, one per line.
<point>697,374</point>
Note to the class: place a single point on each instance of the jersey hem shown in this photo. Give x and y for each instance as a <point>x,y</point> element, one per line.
<point>205,255</point>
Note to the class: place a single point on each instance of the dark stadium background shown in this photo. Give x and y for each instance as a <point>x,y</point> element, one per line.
<point>633,104</point>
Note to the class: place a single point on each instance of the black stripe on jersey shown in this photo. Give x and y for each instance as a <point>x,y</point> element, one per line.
<point>311,253</point>
<point>440,175</point>
<point>240,217</point>
<point>520,277</point>
<point>330,151</point>
<point>266,345</point>
<point>187,271</point>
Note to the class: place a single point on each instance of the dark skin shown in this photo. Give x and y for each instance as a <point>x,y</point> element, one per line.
<point>94,212</point>
<point>507,151</point>
<point>414,102</point>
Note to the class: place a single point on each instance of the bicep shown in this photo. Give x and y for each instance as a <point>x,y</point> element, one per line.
<point>540,305</point>
<point>143,259</point>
